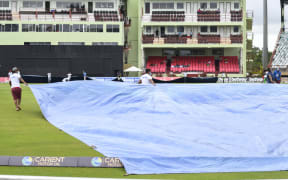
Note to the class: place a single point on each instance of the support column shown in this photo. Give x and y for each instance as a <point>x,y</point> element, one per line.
<point>282,17</point>
<point>265,35</point>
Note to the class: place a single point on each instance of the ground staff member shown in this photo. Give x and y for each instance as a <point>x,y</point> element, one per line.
<point>146,78</point>
<point>277,75</point>
<point>14,81</point>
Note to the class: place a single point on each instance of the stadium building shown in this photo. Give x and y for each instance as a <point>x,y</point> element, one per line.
<point>61,36</point>
<point>104,37</point>
<point>189,37</point>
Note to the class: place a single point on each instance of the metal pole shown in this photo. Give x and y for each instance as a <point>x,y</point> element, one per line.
<point>282,17</point>
<point>265,35</point>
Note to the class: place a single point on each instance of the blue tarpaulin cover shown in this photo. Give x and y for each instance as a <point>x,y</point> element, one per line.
<point>175,128</point>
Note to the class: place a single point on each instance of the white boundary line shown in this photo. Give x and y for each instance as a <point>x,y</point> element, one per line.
<point>12,177</point>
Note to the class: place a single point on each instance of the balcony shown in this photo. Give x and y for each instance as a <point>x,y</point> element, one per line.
<point>208,16</point>
<point>202,39</point>
<point>5,15</point>
<point>199,16</point>
<point>168,16</point>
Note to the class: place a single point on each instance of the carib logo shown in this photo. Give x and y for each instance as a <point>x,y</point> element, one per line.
<point>27,161</point>
<point>96,161</point>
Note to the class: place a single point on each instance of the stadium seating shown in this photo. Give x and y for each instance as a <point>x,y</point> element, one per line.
<point>193,64</point>
<point>106,16</point>
<point>5,15</point>
<point>208,15</point>
<point>157,64</point>
<point>281,55</point>
<point>205,39</point>
<point>236,15</point>
<point>229,64</point>
<point>148,39</point>
<point>168,16</point>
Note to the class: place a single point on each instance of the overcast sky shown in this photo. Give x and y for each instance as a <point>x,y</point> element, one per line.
<point>274,16</point>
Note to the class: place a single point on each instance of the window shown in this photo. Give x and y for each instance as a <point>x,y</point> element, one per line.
<point>237,5</point>
<point>180,5</point>
<point>8,27</point>
<point>147,8</point>
<point>58,28</point>
<point>71,43</point>
<point>204,29</point>
<point>48,27</point>
<point>116,28</point>
<point>32,4</point>
<point>86,28</point>
<point>203,5</point>
<point>93,28</point>
<point>66,28</point>
<point>37,43</point>
<point>99,28</point>
<point>236,29</point>
<point>163,5</point>
<point>4,4</point>
<point>76,28</point>
<point>41,28</point>
<point>112,28</point>
<point>148,29</point>
<point>213,5</point>
<point>15,28</point>
<point>170,29</point>
<point>104,5</point>
<point>25,28</point>
<point>213,29</point>
<point>66,5</point>
<point>180,29</point>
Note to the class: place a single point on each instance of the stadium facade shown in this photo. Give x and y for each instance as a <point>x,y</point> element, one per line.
<point>190,37</point>
<point>104,37</point>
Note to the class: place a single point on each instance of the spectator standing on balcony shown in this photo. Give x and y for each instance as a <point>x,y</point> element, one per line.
<point>146,78</point>
<point>277,76</point>
<point>14,81</point>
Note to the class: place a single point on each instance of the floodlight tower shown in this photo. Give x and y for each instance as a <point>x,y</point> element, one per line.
<point>265,35</point>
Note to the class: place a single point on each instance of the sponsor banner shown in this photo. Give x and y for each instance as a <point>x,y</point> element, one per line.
<point>4,79</point>
<point>166,78</point>
<point>42,161</point>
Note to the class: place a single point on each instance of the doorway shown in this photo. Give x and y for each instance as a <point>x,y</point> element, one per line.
<point>47,6</point>
<point>90,7</point>
<point>14,6</point>
<point>162,31</point>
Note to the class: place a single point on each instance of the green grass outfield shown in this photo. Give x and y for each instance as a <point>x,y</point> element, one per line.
<point>27,133</point>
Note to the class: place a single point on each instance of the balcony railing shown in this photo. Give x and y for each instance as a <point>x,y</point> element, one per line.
<point>200,16</point>
<point>201,39</point>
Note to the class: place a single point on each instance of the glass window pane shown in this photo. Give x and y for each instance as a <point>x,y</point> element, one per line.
<point>213,5</point>
<point>8,27</point>
<point>180,29</point>
<point>48,27</point>
<point>109,28</point>
<point>180,5</point>
<point>66,27</point>
<point>236,29</point>
<point>203,5</point>
<point>24,27</point>
<point>99,28</point>
<point>170,29</point>
<point>213,29</point>
<point>86,28</point>
<point>204,29</point>
<point>116,28</point>
<point>93,28</point>
<point>236,5</point>
<point>76,28</point>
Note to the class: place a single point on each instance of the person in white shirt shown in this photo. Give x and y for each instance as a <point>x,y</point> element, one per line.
<point>146,78</point>
<point>14,81</point>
